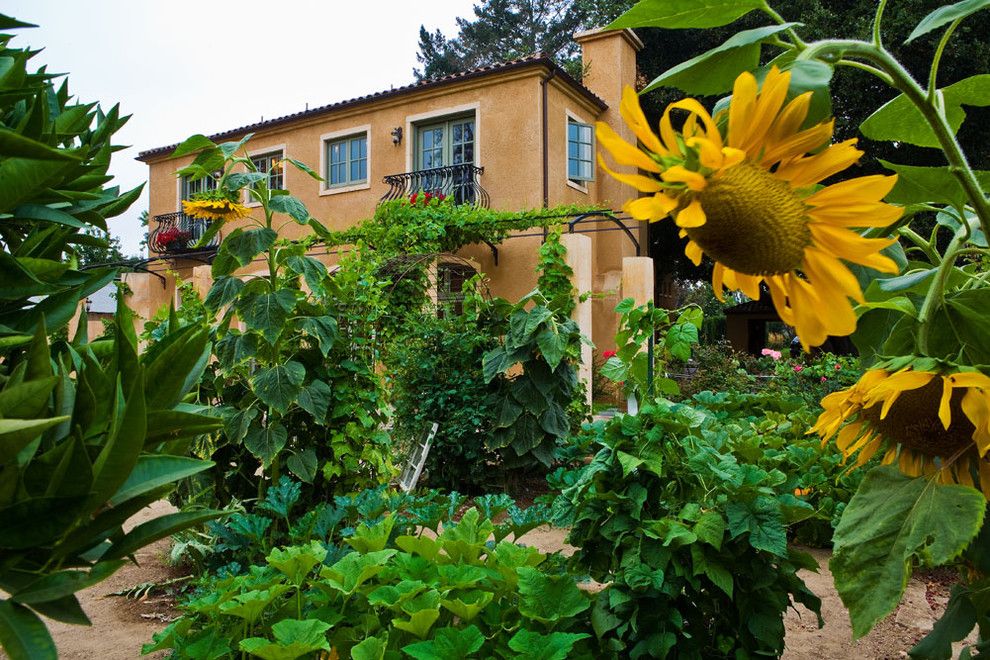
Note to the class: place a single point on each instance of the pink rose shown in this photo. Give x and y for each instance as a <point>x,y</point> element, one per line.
<point>798,368</point>
<point>771,353</point>
<point>838,367</point>
<point>824,379</point>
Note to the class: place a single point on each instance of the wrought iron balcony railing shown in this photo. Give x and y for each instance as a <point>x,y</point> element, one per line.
<point>176,233</point>
<point>461,182</point>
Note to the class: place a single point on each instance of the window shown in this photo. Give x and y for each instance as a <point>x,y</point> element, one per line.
<point>445,144</point>
<point>347,161</point>
<point>192,187</point>
<point>580,150</point>
<point>451,277</point>
<point>271,163</point>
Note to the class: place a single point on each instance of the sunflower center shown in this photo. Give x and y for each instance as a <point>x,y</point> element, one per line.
<point>755,223</point>
<point>913,422</point>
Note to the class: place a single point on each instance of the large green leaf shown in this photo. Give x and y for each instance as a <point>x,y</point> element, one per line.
<point>372,648</point>
<point>323,328</point>
<point>899,120</point>
<point>892,523</point>
<point>672,14</point>
<point>315,399</point>
<point>36,521</point>
<point>119,455</point>
<point>296,562</point>
<point>312,270</point>
<point>158,528</point>
<point>961,327</point>
<point>547,598</point>
<point>919,185</point>
<point>945,15</point>
<point>294,639</point>
<point>530,645</point>
<point>245,245</point>
<point>355,569</point>
<point>762,520</point>
<point>223,292</point>
<point>267,312</point>
<point>448,644</point>
<point>23,635</point>
<point>278,386</point>
<point>153,471</point>
<point>65,583</point>
<point>16,434</point>
<point>266,442</point>
<point>291,206</point>
<point>715,71</point>
<point>192,144</point>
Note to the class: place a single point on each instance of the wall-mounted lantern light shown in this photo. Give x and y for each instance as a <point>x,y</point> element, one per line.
<point>397,135</point>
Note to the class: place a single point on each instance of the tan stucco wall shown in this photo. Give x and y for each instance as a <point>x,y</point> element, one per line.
<point>508,119</point>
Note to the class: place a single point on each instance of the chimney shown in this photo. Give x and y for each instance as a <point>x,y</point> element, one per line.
<point>608,58</point>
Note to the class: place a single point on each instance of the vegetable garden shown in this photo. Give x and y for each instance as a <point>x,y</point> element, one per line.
<point>276,412</point>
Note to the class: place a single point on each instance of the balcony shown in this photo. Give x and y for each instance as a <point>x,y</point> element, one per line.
<point>178,233</point>
<point>460,182</point>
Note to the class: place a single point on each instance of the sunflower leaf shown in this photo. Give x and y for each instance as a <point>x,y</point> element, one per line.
<point>892,523</point>
<point>714,71</point>
<point>677,14</point>
<point>899,120</point>
<point>945,15</point>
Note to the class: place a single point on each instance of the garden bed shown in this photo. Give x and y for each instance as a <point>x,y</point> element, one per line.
<point>121,625</point>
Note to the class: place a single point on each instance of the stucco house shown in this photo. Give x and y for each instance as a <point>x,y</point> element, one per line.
<point>512,136</point>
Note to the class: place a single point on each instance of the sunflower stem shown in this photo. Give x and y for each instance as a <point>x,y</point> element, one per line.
<point>921,244</point>
<point>936,292</point>
<point>935,116</point>
<point>877,18</point>
<point>772,13</point>
<point>866,67</point>
<point>933,73</point>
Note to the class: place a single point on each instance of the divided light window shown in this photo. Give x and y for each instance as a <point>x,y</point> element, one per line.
<point>580,150</point>
<point>347,160</point>
<point>264,163</point>
<point>191,187</point>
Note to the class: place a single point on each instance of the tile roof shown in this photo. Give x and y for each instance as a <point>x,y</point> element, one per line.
<point>535,60</point>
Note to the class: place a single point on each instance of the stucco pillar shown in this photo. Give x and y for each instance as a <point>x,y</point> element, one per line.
<point>202,280</point>
<point>147,294</point>
<point>637,279</point>
<point>579,259</point>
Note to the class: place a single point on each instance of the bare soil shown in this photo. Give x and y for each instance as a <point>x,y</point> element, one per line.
<point>121,625</point>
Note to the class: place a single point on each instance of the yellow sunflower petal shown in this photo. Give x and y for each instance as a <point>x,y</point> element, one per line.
<point>741,109</point>
<point>623,152</point>
<point>768,105</point>
<point>790,119</point>
<point>633,115</point>
<point>976,406</point>
<point>852,247</point>
<point>652,208</point>
<point>718,286</point>
<point>799,144</point>
<point>944,410</point>
<point>825,266</point>
<point>680,174</point>
<point>693,252</point>
<point>804,172</point>
<point>970,379</point>
<point>637,181</point>
<point>691,216</point>
<point>778,294</point>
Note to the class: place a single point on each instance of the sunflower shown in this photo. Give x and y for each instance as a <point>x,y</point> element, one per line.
<point>925,421</point>
<point>751,200</point>
<point>213,206</point>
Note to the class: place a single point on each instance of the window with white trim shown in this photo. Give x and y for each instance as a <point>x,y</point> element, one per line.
<point>347,161</point>
<point>192,186</point>
<point>271,163</point>
<point>580,151</point>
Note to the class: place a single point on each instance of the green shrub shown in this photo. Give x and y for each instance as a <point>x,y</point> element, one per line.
<point>691,536</point>
<point>436,377</point>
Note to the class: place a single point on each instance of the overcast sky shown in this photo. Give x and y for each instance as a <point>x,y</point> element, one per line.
<point>200,66</point>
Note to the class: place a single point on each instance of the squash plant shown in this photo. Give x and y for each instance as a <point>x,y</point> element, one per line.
<point>451,593</point>
<point>90,433</point>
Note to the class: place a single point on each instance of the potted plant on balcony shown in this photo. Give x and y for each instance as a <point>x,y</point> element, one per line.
<point>174,239</point>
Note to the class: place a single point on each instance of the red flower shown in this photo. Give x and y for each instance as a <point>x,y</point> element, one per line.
<point>608,354</point>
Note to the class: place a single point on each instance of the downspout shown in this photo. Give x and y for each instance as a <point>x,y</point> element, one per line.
<point>544,83</point>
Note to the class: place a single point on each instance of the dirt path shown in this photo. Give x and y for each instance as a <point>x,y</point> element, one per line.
<point>121,626</point>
